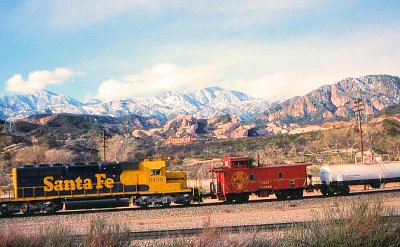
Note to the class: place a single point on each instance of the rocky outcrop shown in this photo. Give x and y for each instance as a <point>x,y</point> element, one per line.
<point>226,126</point>
<point>335,102</point>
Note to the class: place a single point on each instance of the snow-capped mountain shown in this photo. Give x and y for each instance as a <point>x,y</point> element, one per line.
<point>19,106</point>
<point>329,102</point>
<point>204,103</point>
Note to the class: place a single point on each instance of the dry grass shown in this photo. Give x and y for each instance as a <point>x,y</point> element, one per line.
<point>99,235</point>
<point>363,223</point>
<point>102,235</point>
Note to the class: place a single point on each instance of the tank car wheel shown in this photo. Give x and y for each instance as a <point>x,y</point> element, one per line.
<point>324,191</point>
<point>375,185</point>
<point>345,190</point>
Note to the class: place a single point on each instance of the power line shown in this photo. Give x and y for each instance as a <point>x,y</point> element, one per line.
<point>358,107</point>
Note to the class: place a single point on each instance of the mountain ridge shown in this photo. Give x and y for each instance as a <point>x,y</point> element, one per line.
<point>326,103</point>
<point>205,103</point>
<point>335,102</point>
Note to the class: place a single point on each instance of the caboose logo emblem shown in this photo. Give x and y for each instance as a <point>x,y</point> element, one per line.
<point>240,180</point>
<point>77,184</point>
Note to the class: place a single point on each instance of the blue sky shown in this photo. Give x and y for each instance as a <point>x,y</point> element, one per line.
<point>118,49</point>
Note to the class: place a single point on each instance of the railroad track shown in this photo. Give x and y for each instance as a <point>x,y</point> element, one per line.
<point>224,229</point>
<point>174,233</point>
<point>68,212</point>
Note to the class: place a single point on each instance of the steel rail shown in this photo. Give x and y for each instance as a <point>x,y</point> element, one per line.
<point>173,233</point>
<point>219,203</point>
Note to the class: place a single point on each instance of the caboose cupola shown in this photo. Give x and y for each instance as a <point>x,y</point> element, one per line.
<point>236,162</point>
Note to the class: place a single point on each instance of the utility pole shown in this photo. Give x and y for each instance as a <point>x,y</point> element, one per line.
<point>358,107</point>
<point>104,146</point>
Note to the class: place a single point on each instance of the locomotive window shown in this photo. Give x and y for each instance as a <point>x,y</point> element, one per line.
<point>291,183</point>
<point>251,177</point>
<point>155,172</point>
<point>280,175</point>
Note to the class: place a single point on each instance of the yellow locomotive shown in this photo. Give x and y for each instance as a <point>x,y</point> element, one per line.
<point>86,185</point>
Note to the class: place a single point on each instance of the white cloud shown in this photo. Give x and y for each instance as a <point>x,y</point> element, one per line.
<point>38,80</point>
<point>273,68</point>
<point>294,67</point>
<point>159,78</point>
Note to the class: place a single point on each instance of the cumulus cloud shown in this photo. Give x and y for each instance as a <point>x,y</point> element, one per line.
<point>38,80</point>
<point>161,77</point>
<point>287,68</point>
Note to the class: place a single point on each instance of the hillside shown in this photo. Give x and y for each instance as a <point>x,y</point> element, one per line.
<point>335,102</point>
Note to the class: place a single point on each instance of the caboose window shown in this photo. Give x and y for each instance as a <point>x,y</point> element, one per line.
<point>237,163</point>
<point>251,177</point>
<point>155,172</point>
<point>280,175</point>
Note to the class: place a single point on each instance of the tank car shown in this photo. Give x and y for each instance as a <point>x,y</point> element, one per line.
<point>336,179</point>
<point>237,179</point>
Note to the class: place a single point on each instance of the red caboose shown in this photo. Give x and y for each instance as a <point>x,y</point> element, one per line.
<point>237,179</point>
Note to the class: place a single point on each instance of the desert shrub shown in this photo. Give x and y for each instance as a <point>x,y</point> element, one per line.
<point>119,148</point>
<point>62,156</point>
<point>30,155</point>
<point>364,223</point>
<point>101,234</point>
<point>48,237</point>
<point>4,171</point>
<point>212,237</point>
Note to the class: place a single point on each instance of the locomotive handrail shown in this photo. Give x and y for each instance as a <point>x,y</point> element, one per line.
<point>6,193</point>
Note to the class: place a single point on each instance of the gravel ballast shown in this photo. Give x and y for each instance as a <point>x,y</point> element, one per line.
<point>213,214</point>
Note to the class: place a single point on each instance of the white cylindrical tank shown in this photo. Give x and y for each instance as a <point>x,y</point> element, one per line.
<point>359,172</point>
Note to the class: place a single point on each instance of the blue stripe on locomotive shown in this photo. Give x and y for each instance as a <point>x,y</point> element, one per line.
<point>32,176</point>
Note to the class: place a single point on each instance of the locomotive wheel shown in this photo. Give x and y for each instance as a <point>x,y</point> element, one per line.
<point>5,213</point>
<point>166,204</point>
<point>145,204</point>
<point>186,203</point>
<point>50,210</point>
<point>26,210</point>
